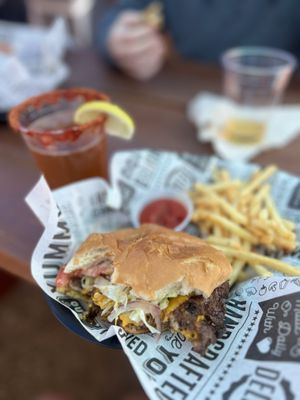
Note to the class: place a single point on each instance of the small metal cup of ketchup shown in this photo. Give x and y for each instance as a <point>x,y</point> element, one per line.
<point>167,208</point>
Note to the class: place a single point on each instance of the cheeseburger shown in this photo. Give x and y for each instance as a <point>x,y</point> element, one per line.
<point>151,279</point>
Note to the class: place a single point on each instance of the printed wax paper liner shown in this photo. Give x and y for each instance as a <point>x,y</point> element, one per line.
<point>209,112</point>
<point>258,355</point>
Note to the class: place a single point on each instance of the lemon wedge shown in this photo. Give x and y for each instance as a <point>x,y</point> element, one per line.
<point>118,122</point>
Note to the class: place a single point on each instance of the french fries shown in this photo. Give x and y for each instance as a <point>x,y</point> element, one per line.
<point>225,223</point>
<point>254,258</point>
<point>262,271</point>
<point>238,217</point>
<point>237,269</point>
<point>258,179</point>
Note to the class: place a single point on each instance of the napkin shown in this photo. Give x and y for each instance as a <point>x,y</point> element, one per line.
<point>32,62</point>
<point>209,112</point>
<point>261,342</point>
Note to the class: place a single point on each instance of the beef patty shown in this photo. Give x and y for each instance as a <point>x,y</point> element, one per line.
<point>201,320</point>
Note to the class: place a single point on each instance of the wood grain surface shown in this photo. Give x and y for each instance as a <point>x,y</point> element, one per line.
<point>159,108</point>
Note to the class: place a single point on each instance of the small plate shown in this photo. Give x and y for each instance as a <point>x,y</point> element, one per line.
<point>67,319</point>
<point>3,117</point>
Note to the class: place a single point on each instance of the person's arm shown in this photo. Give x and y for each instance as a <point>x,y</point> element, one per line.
<point>127,41</point>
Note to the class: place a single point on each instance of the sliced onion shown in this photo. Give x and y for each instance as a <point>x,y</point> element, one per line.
<point>100,281</point>
<point>156,315</point>
<point>145,306</point>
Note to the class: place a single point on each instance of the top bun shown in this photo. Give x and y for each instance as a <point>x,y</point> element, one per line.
<point>156,262</point>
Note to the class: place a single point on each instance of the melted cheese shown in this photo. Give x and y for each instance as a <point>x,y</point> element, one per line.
<point>192,335</point>
<point>173,304</point>
<point>126,320</point>
<point>189,335</point>
<point>101,300</point>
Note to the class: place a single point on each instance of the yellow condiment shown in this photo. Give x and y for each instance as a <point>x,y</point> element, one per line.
<point>243,131</point>
<point>173,304</point>
<point>101,300</point>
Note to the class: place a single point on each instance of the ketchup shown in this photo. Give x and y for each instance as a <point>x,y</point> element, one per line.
<point>166,212</point>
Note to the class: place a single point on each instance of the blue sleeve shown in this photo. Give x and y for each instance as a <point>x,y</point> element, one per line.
<point>105,23</point>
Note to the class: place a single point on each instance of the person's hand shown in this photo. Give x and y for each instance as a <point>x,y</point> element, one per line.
<point>136,47</point>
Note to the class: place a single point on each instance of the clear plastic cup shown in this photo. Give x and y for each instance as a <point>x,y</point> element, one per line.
<point>254,80</point>
<point>64,151</point>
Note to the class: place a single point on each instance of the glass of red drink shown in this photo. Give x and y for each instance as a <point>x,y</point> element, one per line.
<point>64,151</point>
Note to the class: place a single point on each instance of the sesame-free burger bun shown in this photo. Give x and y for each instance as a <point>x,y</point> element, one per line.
<point>156,262</point>
<point>162,261</point>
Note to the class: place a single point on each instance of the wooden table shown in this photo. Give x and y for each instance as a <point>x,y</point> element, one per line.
<point>159,108</point>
